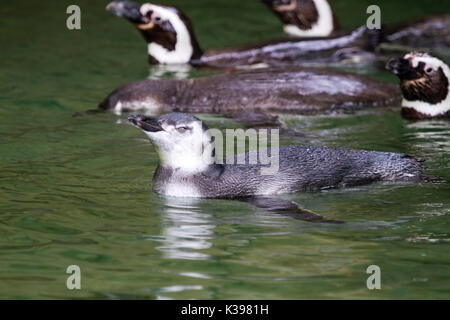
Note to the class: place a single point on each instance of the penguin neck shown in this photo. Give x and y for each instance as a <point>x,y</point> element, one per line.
<point>190,162</point>
<point>323,27</point>
<point>179,48</point>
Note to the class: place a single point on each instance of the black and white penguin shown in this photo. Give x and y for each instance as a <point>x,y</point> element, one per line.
<point>302,18</point>
<point>298,90</point>
<point>430,32</point>
<point>425,84</point>
<point>171,40</point>
<point>188,167</point>
<point>305,18</point>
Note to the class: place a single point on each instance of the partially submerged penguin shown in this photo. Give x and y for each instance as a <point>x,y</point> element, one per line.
<point>431,32</point>
<point>298,90</point>
<point>171,40</point>
<point>302,18</point>
<point>305,18</point>
<point>425,84</point>
<point>189,168</point>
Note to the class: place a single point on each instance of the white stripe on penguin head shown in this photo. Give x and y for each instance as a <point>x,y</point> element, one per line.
<point>183,47</point>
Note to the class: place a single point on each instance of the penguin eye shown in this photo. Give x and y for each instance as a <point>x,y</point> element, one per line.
<point>157,19</point>
<point>429,70</point>
<point>182,129</point>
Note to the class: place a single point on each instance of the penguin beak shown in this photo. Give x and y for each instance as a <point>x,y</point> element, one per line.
<point>132,12</point>
<point>147,124</point>
<point>403,69</point>
<point>128,10</point>
<point>399,66</point>
<point>272,2</point>
<point>276,3</point>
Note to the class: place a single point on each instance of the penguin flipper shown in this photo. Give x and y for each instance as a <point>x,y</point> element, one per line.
<point>289,209</point>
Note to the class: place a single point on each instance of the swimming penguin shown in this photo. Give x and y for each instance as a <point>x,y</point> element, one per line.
<point>299,90</point>
<point>302,18</point>
<point>431,32</point>
<point>188,167</point>
<point>171,40</point>
<point>305,18</point>
<point>425,84</point>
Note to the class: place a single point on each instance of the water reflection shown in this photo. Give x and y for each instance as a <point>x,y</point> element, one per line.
<point>186,230</point>
<point>431,134</point>
<point>174,71</point>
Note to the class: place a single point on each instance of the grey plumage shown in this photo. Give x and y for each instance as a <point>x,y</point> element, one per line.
<point>299,90</point>
<point>302,168</point>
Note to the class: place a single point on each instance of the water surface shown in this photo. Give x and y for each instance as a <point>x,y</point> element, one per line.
<point>77,190</point>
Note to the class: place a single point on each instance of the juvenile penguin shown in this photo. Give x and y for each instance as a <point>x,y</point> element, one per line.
<point>425,84</point>
<point>171,40</point>
<point>298,90</point>
<point>305,18</point>
<point>187,169</point>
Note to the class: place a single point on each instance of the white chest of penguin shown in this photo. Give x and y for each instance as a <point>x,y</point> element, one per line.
<point>176,187</point>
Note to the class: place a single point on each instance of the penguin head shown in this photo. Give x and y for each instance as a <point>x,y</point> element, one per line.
<point>183,141</point>
<point>424,81</point>
<point>304,18</point>
<point>167,30</point>
<point>277,5</point>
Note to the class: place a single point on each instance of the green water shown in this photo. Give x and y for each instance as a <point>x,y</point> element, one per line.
<point>77,190</point>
